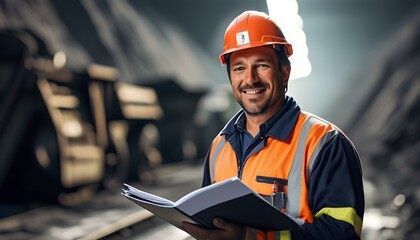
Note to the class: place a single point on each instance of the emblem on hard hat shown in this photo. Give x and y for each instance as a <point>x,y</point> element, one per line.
<point>242,38</point>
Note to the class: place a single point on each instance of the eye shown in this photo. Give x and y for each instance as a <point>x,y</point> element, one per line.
<point>262,66</point>
<point>238,69</point>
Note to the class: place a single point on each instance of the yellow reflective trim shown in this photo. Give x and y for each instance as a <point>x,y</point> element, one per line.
<point>285,235</point>
<point>346,214</point>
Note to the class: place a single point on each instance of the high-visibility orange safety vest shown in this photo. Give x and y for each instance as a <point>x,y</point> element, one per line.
<point>290,160</point>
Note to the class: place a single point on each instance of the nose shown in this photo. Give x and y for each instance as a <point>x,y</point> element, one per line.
<point>251,76</point>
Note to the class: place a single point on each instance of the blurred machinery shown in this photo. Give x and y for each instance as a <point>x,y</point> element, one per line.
<point>65,134</point>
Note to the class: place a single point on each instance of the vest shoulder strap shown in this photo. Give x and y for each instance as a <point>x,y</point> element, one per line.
<point>213,157</point>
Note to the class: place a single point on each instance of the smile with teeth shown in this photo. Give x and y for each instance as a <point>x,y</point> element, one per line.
<point>253,91</point>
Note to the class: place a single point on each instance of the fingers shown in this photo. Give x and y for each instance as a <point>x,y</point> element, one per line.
<point>195,231</point>
<point>224,230</point>
<point>229,229</point>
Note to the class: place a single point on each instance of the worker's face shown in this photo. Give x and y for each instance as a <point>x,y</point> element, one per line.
<point>257,82</point>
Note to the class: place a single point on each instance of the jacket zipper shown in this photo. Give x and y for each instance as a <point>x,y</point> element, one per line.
<point>241,166</point>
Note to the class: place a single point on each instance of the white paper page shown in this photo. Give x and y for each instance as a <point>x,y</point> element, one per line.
<point>146,197</point>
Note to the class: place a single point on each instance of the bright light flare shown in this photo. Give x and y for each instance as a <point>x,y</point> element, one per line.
<point>285,13</point>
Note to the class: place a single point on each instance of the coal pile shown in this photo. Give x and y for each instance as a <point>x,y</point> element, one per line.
<point>386,130</point>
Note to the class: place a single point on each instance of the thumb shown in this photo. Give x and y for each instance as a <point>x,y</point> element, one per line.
<point>220,223</point>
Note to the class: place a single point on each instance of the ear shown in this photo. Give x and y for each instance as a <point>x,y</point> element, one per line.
<point>285,74</point>
<point>228,69</point>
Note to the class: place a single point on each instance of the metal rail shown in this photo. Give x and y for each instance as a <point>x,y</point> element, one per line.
<point>120,224</point>
<point>106,215</point>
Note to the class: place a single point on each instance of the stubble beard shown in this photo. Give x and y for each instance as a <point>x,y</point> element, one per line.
<point>254,110</point>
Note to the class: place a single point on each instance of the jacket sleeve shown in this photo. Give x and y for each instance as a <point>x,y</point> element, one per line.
<point>336,195</point>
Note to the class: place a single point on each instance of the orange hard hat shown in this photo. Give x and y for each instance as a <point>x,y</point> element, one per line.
<point>253,29</point>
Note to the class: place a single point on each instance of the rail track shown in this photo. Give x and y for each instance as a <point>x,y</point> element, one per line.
<point>108,216</point>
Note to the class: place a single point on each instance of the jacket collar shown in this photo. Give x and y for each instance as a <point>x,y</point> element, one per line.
<point>279,126</point>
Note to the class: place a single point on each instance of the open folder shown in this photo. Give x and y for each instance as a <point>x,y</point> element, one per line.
<point>230,199</point>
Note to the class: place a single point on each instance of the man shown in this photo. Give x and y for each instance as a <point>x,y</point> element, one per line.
<point>271,142</point>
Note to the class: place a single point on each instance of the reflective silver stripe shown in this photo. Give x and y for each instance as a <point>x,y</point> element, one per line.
<point>252,233</point>
<point>212,164</point>
<point>277,235</point>
<point>327,137</point>
<point>295,174</point>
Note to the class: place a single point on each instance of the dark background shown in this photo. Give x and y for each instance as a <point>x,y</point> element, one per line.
<point>365,76</point>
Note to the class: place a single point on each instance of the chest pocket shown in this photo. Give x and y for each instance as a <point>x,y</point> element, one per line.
<point>278,196</point>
